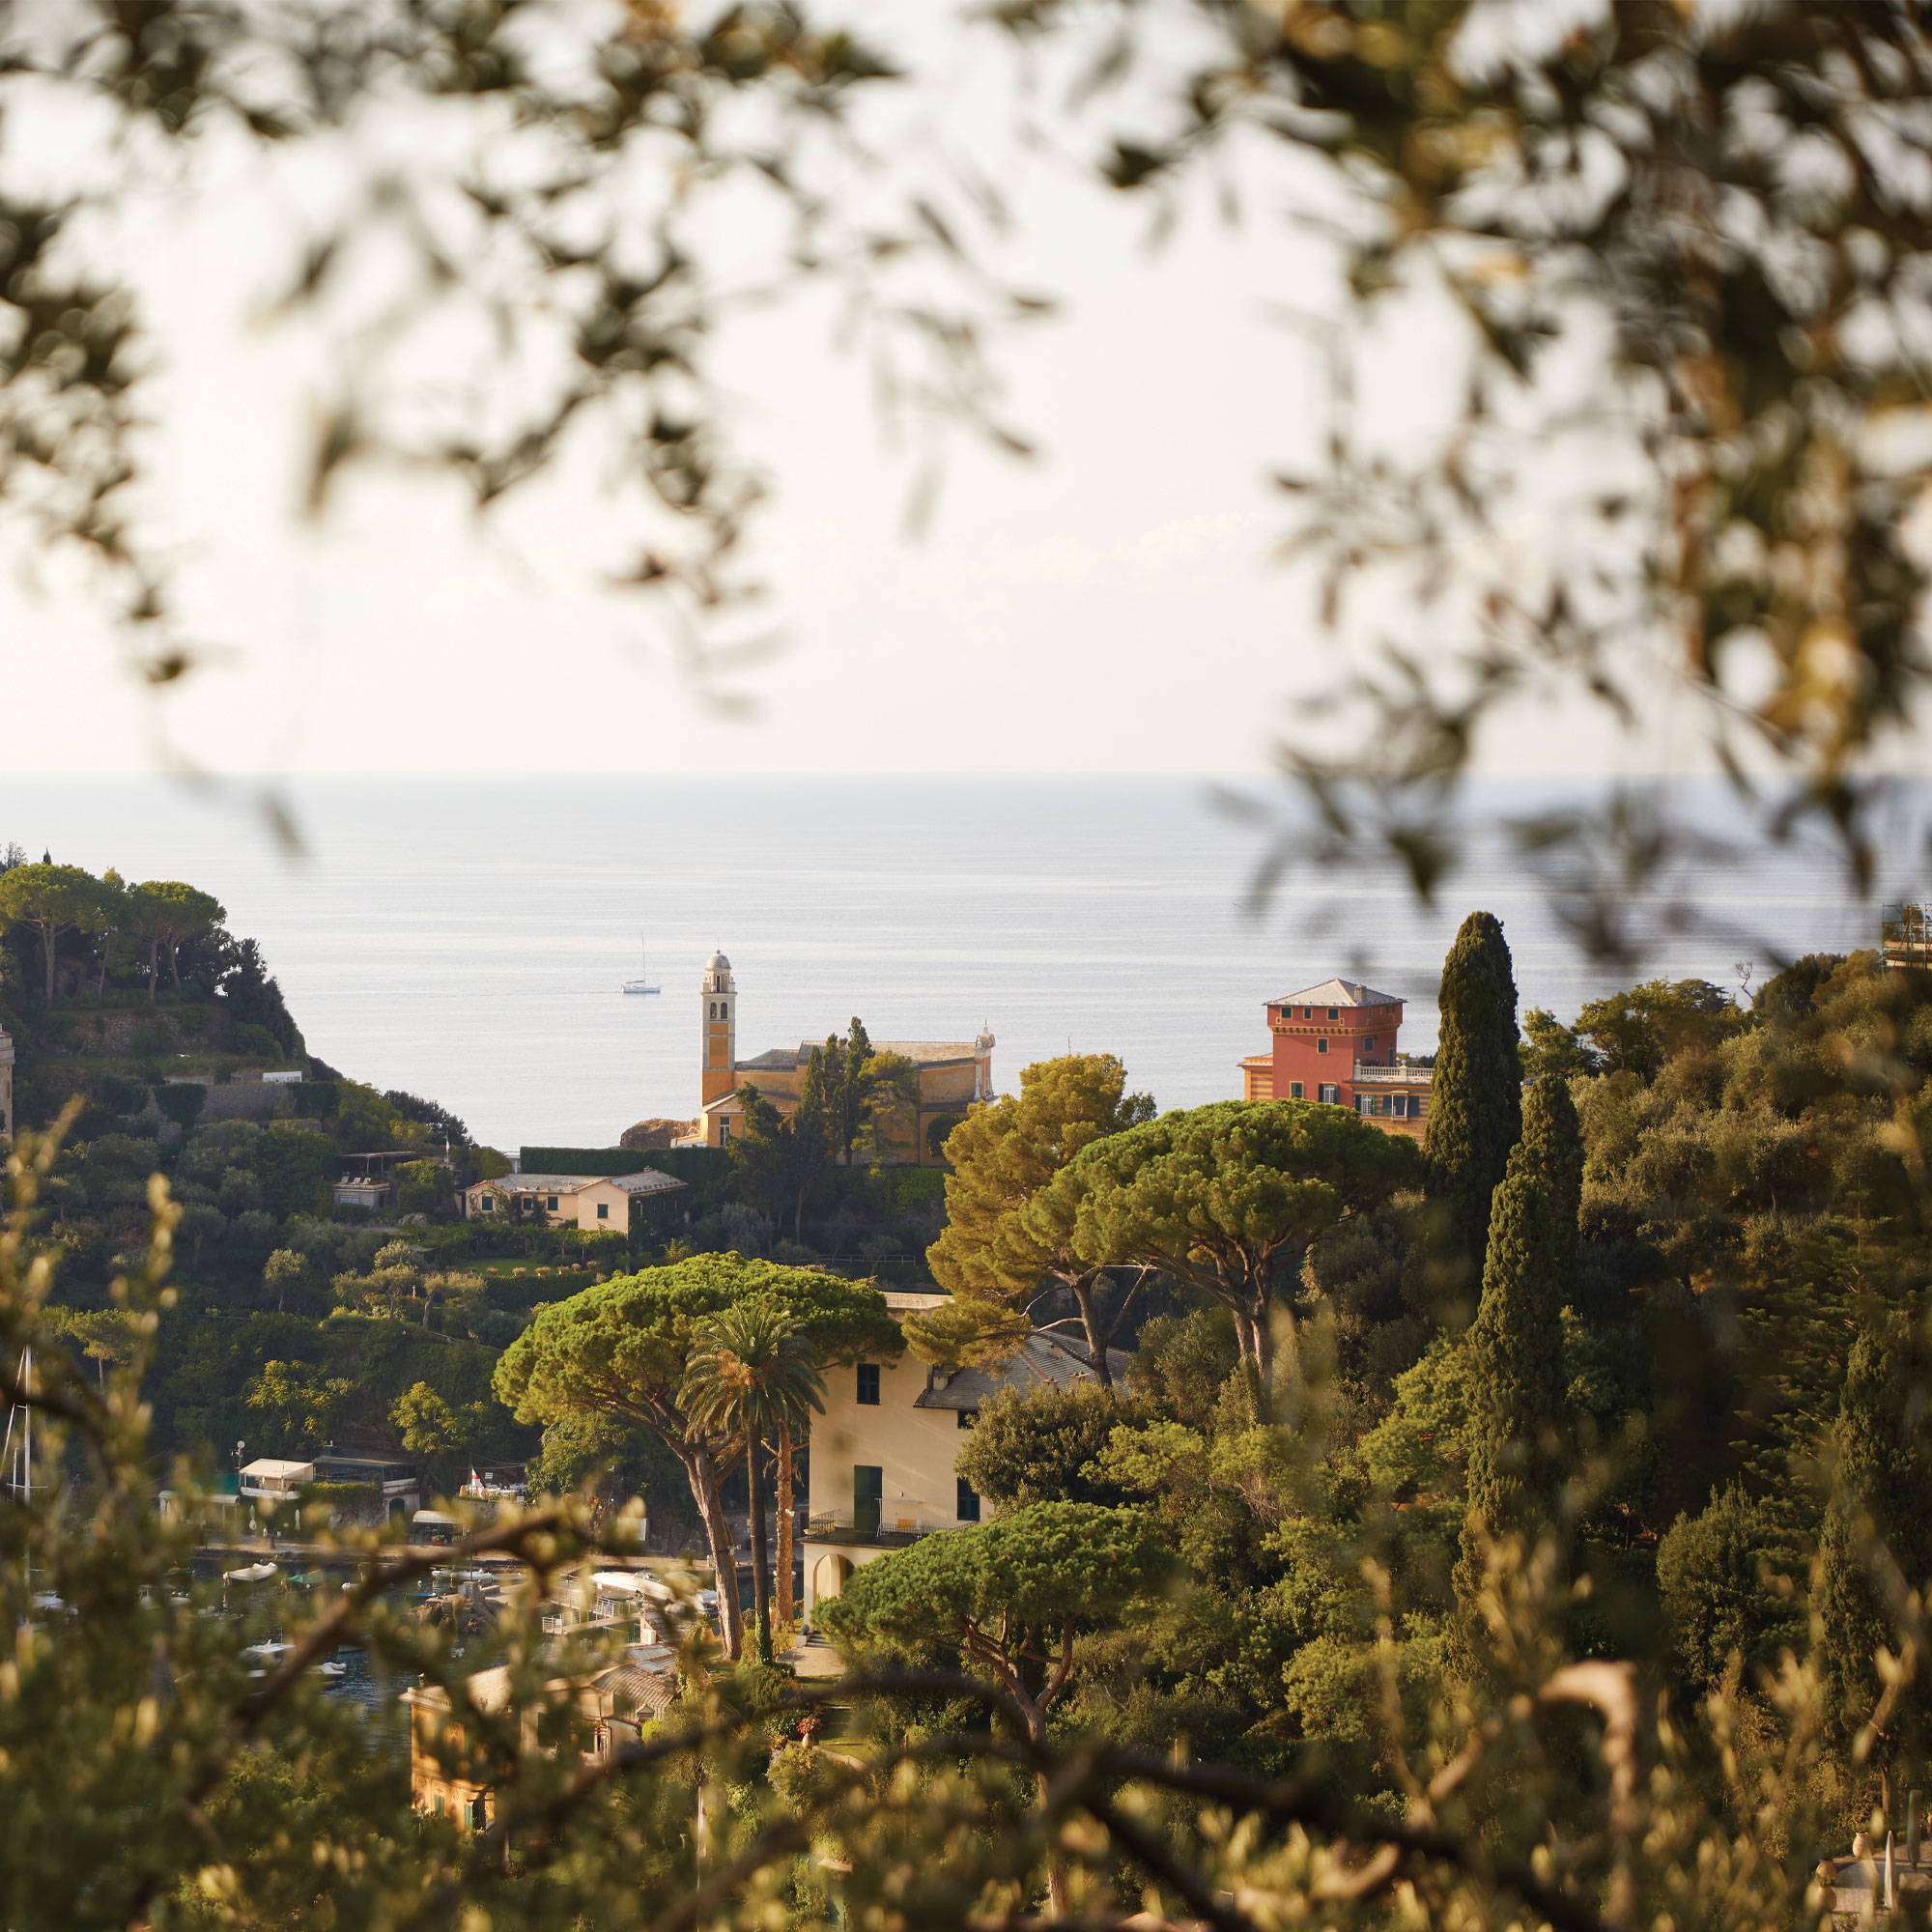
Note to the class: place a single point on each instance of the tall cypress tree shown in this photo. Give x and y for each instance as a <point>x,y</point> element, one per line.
<point>1873,1519</point>
<point>1516,1338</point>
<point>1516,1472</point>
<point>1475,1103</point>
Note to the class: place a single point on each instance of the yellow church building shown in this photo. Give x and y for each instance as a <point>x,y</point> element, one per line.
<point>953,1075</point>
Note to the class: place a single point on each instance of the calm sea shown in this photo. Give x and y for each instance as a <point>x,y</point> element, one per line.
<point>467,939</point>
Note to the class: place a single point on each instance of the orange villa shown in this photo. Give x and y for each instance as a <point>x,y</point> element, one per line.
<point>1336,1042</point>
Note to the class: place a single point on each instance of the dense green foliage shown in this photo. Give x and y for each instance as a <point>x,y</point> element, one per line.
<point>1225,1198</point>
<point>1475,1101</point>
<point>1518,1446</point>
<point>624,1350</point>
<point>1003,1242</point>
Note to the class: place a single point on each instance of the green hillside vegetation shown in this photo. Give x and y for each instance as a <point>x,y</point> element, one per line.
<point>296,1321</point>
<point>1331,1510</point>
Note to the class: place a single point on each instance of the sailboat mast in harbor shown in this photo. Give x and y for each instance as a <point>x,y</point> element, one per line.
<point>643,986</point>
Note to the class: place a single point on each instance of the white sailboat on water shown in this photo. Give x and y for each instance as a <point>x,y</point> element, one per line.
<point>643,986</point>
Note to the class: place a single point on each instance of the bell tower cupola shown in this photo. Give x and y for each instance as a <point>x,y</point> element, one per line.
<point>720,1055</point>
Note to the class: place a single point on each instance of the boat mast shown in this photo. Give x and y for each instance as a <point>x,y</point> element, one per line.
<point>17,1450</point>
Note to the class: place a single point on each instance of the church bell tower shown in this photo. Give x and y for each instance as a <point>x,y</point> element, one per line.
<point>718,1065</point>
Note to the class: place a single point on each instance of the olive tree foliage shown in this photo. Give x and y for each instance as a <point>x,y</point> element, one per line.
<point>525,202</point>
<point>1671,262</point>
<point>153,1774</point>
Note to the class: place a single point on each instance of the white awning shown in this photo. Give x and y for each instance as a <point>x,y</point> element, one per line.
<point>633,1583</point>
<point>268,1468</point>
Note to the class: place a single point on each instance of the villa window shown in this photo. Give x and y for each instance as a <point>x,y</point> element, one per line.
<point>1328,1094</point>
<point>967,1506</point>
<point>1295,1090</point>
<point>868,1384</point>
<point>1398,1106</point>
<point>488,1203</point>
<point>550,1201</point>
<point>1369,1044</point>
<point>1334,1012</point>
<point>1308,1012</point>
<point>1322,1044</point>
<point>603,1211</point>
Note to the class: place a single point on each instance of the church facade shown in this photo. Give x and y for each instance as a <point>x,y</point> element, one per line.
<point>1336,1042</point>
<point>953,1075</point>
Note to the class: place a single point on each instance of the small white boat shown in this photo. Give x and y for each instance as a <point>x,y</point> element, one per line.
<point>271,1652</point>
<point>331,1668</point>
<point>643,986</point>
<point>251,1572</point>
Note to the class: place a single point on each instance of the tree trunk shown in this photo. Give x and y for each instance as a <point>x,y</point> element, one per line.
<point>106,947</point>
<point>702,1475</point>
<point>175,962</point>
<point>761,1579</point>
<point>787,1600</point>
<point>1260,1341</point>
<point>154,968</point>
<point>1087,1302</point>
<point>47,946</point>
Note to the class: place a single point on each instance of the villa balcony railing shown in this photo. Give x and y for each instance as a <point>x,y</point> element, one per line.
<point>1905,935</point>
<point>869,1529</point>
<point>1397,1077</point>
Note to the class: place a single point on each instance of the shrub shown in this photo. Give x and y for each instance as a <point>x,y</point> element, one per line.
<point>583,1160</point>
<point>118,1096</point>
<point>1718,1575</point>
<point>181,1101</point>
<point>315,1099</point>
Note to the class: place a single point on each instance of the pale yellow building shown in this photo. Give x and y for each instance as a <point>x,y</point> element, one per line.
<point>615,1705</point>
<point>599,1202</point>
<point>883,1454</point>
<point>953,1075</point>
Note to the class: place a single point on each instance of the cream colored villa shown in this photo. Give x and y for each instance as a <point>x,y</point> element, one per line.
<point>596,1201</point>
<point>614,1704</point>
<point>883,1454</point>
<point>953,1075</point>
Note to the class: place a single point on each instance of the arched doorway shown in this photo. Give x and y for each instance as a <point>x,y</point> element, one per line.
<point>828,1577</point>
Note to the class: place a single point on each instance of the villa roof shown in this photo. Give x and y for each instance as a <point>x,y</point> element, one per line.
<point>1339,993</point>
<point>1040,1359</point>
<point>636,1691</point>
<point>921,1052</point>
<point>646,1180</point>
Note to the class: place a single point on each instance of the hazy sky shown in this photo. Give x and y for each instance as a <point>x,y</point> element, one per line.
<point>1110,607</point>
